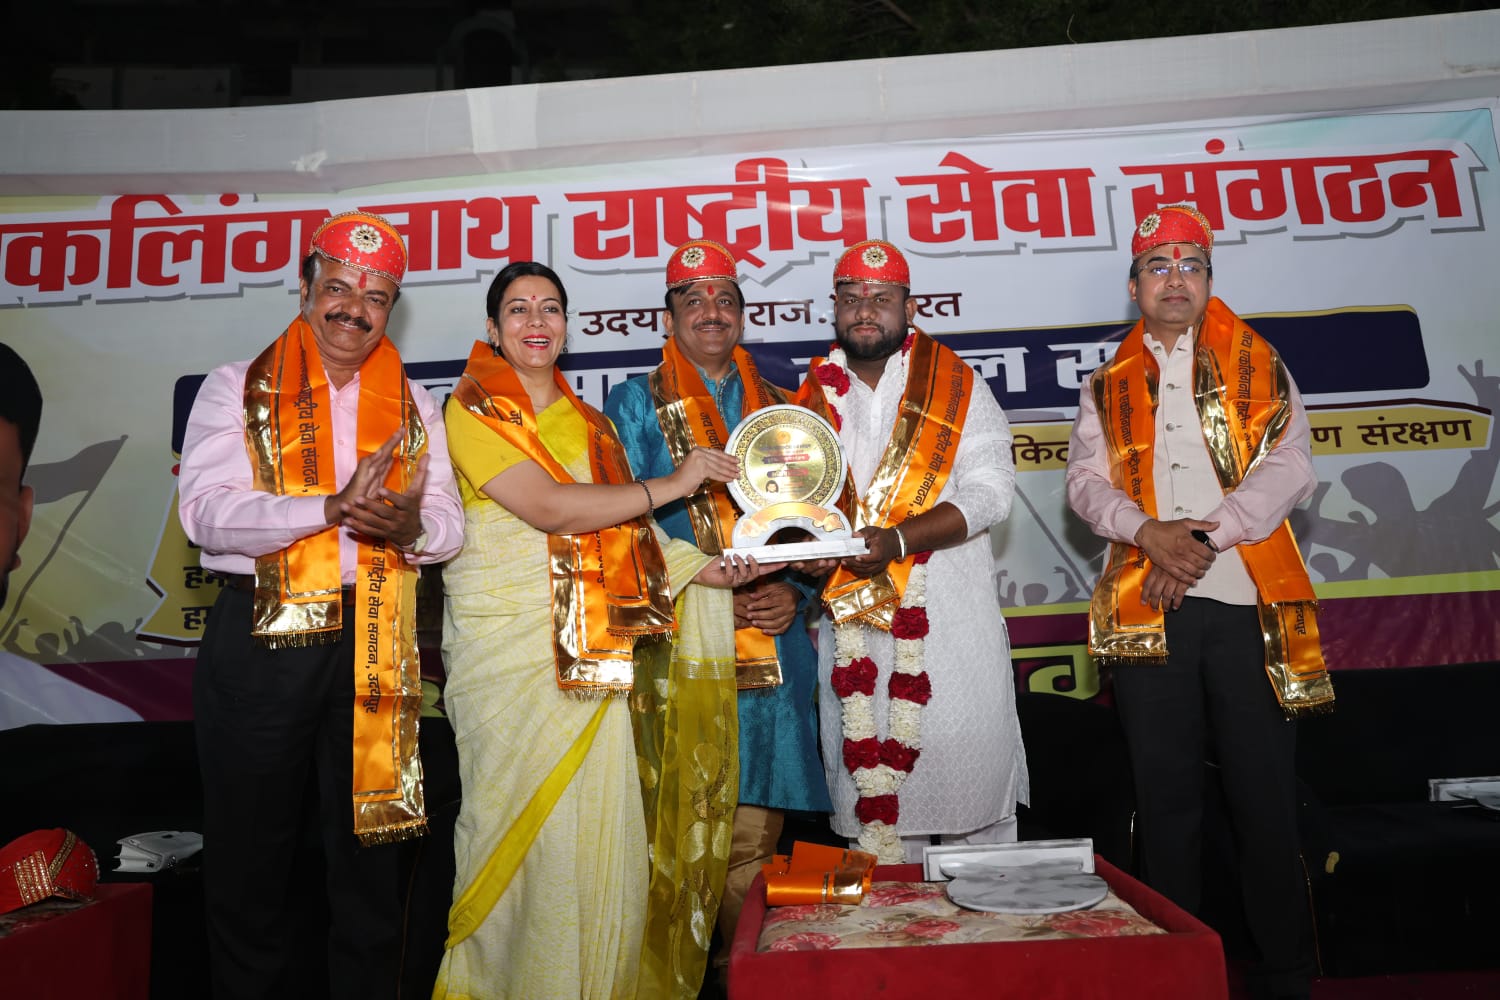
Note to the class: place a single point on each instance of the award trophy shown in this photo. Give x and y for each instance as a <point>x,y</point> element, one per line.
<point>791,473</point>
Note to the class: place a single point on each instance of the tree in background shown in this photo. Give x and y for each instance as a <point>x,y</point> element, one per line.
<point>672,36</point>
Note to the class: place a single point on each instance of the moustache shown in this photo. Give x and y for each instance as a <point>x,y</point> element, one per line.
<point>343,317</point>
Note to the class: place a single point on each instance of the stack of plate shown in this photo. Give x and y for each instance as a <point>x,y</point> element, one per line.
<point>1039,889</point>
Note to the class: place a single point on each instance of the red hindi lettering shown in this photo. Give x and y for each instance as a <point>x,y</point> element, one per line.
<point>1052,203</point>
<point>49,256</point>
<point>439,236</point>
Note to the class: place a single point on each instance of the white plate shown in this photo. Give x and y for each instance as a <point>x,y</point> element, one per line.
<point>1019,891</point>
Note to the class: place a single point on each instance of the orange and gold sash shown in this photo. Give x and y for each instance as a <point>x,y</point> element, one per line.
<point>608,586</point>
<point>289,435</point>
<point>1241,391</point>
<point>817,873</point>
<point>689,418</point>
<point>910,476</point>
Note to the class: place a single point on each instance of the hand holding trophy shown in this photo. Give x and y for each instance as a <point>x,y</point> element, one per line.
<point>792,471</point>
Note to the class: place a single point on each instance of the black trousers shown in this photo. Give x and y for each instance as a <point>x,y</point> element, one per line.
<point>266,722</point>
<point>1212,697</point>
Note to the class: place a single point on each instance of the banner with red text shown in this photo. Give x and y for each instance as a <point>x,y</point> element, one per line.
<point>1361,245</point>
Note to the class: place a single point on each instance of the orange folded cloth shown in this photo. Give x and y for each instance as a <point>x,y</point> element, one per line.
<point>816,873</point>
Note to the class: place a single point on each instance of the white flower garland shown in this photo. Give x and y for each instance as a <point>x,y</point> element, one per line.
<point>903,715</point>
<point>903,719</point>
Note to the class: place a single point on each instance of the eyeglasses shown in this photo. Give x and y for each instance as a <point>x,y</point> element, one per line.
<point>1188,269</point>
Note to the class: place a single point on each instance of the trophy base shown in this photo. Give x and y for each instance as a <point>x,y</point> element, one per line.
<point>829,548</point>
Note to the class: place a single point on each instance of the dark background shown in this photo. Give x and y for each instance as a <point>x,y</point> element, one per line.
<point>142,54</point>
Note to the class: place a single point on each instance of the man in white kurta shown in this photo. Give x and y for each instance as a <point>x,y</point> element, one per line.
<point>971,770</point>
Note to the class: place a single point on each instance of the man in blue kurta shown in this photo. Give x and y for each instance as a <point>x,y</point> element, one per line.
<point>705,385</point>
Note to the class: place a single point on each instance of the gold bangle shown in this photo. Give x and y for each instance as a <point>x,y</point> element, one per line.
<point>901,541</point>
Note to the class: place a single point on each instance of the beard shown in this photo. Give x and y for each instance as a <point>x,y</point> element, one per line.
<point>886,343</point>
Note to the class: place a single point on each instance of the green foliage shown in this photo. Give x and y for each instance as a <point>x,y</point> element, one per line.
<point>674,36</point>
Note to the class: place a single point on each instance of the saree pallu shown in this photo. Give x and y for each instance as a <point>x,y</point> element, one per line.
<point>684,710</point>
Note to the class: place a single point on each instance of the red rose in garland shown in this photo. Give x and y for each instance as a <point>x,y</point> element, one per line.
<point>834,377</point>
<point>912,687</point>
<point>899,755</point>
<point>857,677</point>
<point>909,623</point>
<point>861,753</point>
<point>878,809</point>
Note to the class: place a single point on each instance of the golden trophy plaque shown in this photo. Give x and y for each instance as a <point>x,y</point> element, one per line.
<point>791,473</point>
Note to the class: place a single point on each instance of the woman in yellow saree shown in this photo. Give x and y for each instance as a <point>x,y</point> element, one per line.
<point>564,590</point>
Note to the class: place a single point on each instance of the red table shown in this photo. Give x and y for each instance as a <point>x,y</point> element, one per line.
<point>100,950</point>
<point>1186,963</point>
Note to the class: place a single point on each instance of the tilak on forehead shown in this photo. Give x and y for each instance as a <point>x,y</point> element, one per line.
<point>873,262</point>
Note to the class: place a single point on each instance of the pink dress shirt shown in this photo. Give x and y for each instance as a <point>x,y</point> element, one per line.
<point>233,523</point>
<point>1186,484</point>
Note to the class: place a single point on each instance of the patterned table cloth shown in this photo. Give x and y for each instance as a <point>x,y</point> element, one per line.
<point>1134,945</point>
<point>906,914</point>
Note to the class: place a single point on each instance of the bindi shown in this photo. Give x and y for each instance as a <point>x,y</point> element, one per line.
<point>1177,253</point>
<point>364,279</point>
<point>710,291</point>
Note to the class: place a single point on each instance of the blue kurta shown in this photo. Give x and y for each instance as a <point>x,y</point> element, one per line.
<point>779,763</point>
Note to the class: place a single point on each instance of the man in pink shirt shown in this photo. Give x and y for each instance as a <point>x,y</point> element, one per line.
<point>1190,449</point>
<point>315,478</point>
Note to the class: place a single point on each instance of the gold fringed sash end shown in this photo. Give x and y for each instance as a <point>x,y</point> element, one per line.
<point>1116,660</point>
<point>1109,641</point>
<point>1301,695</point>
<point>594,692</point>
<point>1121,628</point>
<point>1303,711</point>
<point>758,678</point>
<point>1294,658</point>
<point>869,600</point>
<point>409,830</point>
<point>298,640</point>
<point>636,631</point>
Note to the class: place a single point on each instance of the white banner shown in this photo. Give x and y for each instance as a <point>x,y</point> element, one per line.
<point>1360,245</point>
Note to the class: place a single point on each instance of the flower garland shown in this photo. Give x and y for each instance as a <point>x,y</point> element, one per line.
<point>880,767</point>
